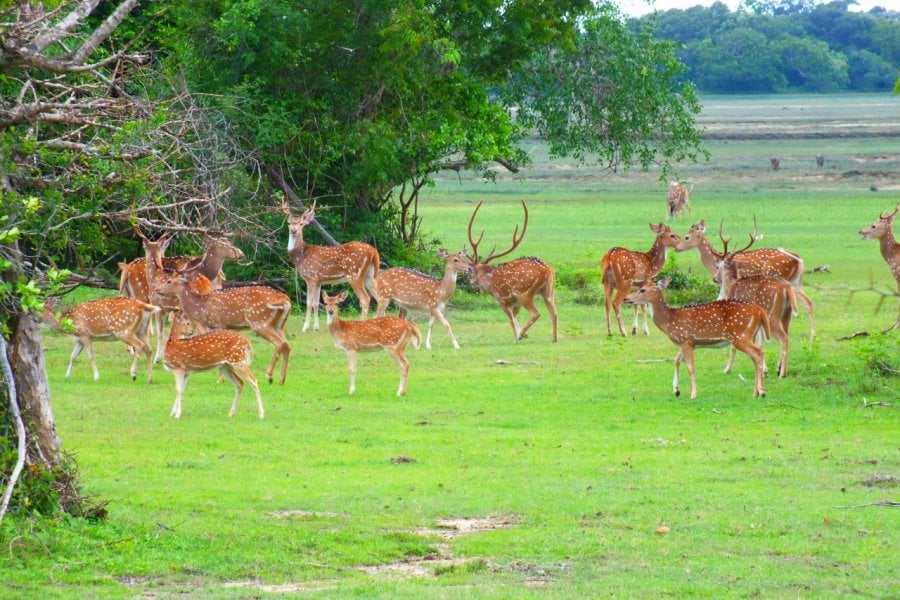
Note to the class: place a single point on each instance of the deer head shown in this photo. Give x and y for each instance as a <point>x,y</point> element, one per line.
<point>479,270</point>
<point>881,227</point>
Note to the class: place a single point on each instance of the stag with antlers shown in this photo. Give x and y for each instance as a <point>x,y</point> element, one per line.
<point>516,283</point>
<point>706,326</point>
<point>774,262</point>
<point>622,270</point>
<point>890,250</point>
<point>356,263</point>
<point>774,294</point>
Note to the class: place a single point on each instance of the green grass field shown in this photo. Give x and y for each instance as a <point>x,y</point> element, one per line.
<point>564,470</point>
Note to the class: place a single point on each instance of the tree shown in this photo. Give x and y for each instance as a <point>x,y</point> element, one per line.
<point>810,65</point>
<point>360,105</point>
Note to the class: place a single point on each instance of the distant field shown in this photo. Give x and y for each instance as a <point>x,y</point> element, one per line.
<point>564,470</point>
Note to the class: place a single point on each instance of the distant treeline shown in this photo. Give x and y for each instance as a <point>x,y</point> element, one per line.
<point>783,46</point>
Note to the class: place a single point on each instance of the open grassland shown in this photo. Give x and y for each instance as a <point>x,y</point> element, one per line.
<point>564,470</point>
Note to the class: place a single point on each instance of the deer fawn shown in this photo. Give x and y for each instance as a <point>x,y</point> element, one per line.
<point>354,337</point>
<point>105,320</point>
<point>516,283</point>
<point>775,262</point>
<point>228,351</point>
<point>881,230</point>
<point>622,269</point>
<point>773,294</point>
<point>677,199</point>
<point>259,308</point>
<point>356,263</point>
<point>706,325</point>
<point>412,290</point>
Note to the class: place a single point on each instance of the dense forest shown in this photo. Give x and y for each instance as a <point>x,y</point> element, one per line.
<point>783,46</point>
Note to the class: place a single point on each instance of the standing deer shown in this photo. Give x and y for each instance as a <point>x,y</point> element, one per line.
<point>228,351</point>
<point>412,290</point>
<point>776,262</point>
<point>622,269</point>
<point>712,324</point>
<point>390,333</point>
<point>890,250</point>
<point>136,278</point>
<point>516,283</point>
<point>677,199</point>
<point>106,320</point>
<point>356,263</point>
<point>259,308</point>
<point>773,294</point>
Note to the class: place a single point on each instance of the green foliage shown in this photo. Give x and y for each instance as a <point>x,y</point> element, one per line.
<point>784,45</point>
<point>879,355</point>
<point>686,287</point>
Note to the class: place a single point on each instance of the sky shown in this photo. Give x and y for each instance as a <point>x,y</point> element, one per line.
<point>636,8</point>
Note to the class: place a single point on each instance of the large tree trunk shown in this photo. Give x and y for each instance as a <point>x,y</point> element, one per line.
<point>29,368</point>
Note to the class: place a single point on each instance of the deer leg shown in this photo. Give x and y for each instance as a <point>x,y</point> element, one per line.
<point>399,357</point>
<point>554,317</point>
<point>360,288</point>
<point>780,332</point>
<point>809,309</point>
<point>634,322</point>
<point>535,315</point>
<point>312,304</point>
<point>89,346</point>
<point>749,347</point>
<point>511,315</point>
<point>228,371</point>
<point>621,292</point>
<point>381,307</point>
<point>180,384</point>
<point>437,314</point>
<point>607,298</point>
<point>244,373</point>
<point>688,353</point>
<point>75,352</point>
<point>351,358</point>
<point>158,320</point>
<point>678,358</point>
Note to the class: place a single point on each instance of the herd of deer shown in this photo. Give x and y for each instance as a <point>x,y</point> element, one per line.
<point>759,290</point>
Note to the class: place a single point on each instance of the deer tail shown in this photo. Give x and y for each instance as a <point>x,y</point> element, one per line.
<point>372,270</point>
<point>604,267</point>
<point>792,299</point>
<point>764,321</point>
<point>415,335</point>
<point>123,280</point>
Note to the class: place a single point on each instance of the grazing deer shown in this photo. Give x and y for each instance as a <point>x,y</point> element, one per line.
<point>106,320</point>
<point>622,269</point>
<point>259,308</point>
<point>775,262</point>
<point>412,290</point>
<point>677,199</point>
<point>881,230</point>
<point>712,324</point>
<point>356,263</point>
<point>773,294</point>
<point>516,283</point>
<point>820,160</point>
<point>228,351</point>
<point>390,333</point>
<point>775,162</point>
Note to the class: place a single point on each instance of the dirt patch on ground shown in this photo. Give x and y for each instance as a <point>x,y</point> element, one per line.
<point>283,588</point>
<point>881,480</point>
<point>306,514</point>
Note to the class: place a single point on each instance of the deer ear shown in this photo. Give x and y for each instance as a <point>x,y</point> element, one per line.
<point>342,296</point>
<point>663,283</point>
<point>442,253</point>
<point>325,297</point>
<point>654,228</point>
<point>701,226</point>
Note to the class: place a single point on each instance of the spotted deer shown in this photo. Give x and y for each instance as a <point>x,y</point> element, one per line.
<point>709,325</point>
<point>514,284</point>
<point>775,262</point>
<point>774,294</point>
<point>890,249</point>
<point>677,199</point>
<point>106,320</point>
<point>412,290</point>
<point>622,270</point>
<point>389,333</point>
<point>259,308</point>
<point>356,263</point>
<point>227,351</point>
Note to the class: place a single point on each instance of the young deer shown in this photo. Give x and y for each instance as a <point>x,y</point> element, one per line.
<point>773,294</point>
<point>776,262</point>
<point>622,270</point>
<point>356,263</point>
<point>257,307</point>
<point>516,283</point>
<point>105,320</point>
<point>228,351</point>
<point>412,290</point>
<point>890,249</point>
<point>390,333</point>
<point>706,325</point>
<point>677,199</point>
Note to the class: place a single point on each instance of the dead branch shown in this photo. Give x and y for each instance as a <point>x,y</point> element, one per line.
<point>881,503</point>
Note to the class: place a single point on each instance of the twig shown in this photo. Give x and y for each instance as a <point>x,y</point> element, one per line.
<point>644,361</point>
<point>853,335</point>
<point>822,269</point>
<point>20,427</point>
<point>881,503</point>
<point>867,404</point>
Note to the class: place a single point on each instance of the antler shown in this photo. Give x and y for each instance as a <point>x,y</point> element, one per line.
<point>886,217</point>
<point>517,237</point>
<point>722,237</point>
